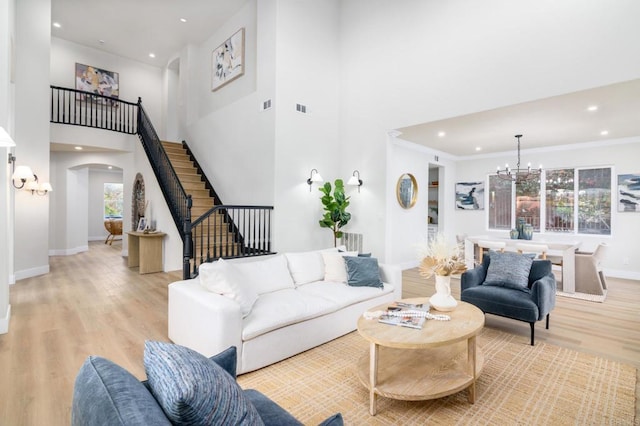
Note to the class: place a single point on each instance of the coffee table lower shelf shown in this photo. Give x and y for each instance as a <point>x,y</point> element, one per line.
<point>421,374</point>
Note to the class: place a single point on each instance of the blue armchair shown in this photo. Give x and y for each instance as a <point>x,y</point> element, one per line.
<point>513,286</point>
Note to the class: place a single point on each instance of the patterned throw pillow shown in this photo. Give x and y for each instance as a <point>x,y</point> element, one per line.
<point>193,390</point>
<point>508,270</point>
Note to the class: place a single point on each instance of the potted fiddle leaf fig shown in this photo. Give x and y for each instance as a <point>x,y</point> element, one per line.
<point>335,209</point>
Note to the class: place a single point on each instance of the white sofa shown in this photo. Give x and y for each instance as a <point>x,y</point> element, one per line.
<point>274,307</point>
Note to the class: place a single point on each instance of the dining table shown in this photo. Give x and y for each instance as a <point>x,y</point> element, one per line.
<point>566,248</point>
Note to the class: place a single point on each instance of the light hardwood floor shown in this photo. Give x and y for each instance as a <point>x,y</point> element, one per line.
<point>92,303</point>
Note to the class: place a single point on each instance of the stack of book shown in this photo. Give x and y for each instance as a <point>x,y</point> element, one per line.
<point>405,315</point>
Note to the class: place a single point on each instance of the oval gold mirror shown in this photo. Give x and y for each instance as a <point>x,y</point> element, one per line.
<point>407,190</point>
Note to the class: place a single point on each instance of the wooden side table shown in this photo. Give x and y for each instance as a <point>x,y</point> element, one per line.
<point>409,364</point>
<point>145,251</point>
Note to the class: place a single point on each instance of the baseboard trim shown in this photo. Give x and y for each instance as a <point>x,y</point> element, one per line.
<point>4,322</point>
<point>33,272</point>
<point>68,252</point>
<point>626,275</point>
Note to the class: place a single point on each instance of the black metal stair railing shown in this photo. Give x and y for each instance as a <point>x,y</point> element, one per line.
<point>173,191</point>
<point>78,108</point>
<point>222,232</point>
<point>227,231</point>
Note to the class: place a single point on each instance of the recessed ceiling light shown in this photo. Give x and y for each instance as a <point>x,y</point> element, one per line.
<point>183,20</point>
<point>593,108</point>
<point>604,132</point>
<point>101,41</point>
<point>478,148</point>
<point>441,134</point>
<point>57,25</point>
<point>110,167</point>
<point>78,148</point>
<point>152,55</point>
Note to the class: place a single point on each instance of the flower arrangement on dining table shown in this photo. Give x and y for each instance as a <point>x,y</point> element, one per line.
<point>440,257</point>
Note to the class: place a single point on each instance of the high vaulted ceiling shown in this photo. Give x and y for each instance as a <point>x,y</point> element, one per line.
<point>136,28</point>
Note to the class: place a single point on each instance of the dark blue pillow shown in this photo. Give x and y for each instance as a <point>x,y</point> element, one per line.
<point>508,270</point>
<point>363,271</point>
<point>105,393</point>
<point>192,389</point>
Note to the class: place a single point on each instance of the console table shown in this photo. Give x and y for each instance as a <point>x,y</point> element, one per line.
<point>145,251</point>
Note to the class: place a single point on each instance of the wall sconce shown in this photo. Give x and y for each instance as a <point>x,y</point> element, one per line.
<point>28,180</point>
<point>5,139</point>
<point>314,177</point>
<point>39,188</point>
<point>355,180</point>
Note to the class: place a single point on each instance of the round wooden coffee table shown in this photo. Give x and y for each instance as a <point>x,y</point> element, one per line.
<point>409,364</point>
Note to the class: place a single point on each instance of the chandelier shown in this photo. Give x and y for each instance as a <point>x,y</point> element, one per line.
<point>518,175</point>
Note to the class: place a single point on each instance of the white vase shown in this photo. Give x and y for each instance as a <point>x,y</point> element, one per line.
<point>443,300</point>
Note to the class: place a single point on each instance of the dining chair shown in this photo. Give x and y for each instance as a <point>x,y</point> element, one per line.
<point>540,250</point>
<point>590,277</point>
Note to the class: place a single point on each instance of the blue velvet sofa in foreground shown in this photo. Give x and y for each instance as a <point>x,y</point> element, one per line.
<point>182,388</point>
<point>511,285</point>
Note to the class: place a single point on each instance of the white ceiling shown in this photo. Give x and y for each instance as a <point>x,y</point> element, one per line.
<point>559,120</point>
<point>135,28</point>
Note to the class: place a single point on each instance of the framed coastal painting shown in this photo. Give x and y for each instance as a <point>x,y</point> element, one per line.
<point>96,80</point>
<point>629,193</point>
<point>228,61</point>
<point>470,195</point>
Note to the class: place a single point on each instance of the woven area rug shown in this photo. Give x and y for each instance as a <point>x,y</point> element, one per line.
<point>519,385</point>
<point>584,296</point>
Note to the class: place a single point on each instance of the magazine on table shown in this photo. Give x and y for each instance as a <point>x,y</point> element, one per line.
<point>405,314</point>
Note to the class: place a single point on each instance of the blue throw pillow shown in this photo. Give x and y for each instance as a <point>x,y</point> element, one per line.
<point>508,270</point>
<point>192,389</point>
<point>105,393</point>
<point>363,271</point>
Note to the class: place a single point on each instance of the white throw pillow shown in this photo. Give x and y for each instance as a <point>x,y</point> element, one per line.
<point>335,269</point>
<point>223,278</point>
<point>266,275</point>
<point>305,267</point>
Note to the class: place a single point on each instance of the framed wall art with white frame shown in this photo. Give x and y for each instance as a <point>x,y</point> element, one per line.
<point>227,61</point>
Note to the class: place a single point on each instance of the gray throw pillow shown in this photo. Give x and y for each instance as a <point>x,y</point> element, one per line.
<point>508,270</point>
<point>363,271</point>
<point>194,390</point>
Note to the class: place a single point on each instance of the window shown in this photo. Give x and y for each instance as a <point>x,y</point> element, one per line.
<point>499,203</point>
<point>559,200</point>
<point>572,197</point>
<point>113,200</point>
<point>594,201</point>
<point>528,203</point>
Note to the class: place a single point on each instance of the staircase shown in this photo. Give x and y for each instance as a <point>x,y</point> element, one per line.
<point>216,230</point>
<point>209,229</point>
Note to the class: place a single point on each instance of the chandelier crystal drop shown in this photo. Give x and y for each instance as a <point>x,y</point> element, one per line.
<point>518,175</point>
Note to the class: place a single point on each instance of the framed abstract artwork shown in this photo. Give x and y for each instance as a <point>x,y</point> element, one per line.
<point>629,193</point>
<point>470,195</point>
<point>98,81</point>
<point>227,61</point>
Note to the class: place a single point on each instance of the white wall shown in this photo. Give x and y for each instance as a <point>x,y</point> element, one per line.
<point>231,139</point>
<point>407,228</point>
<point>32,99</point>
<point>307,43</point>
<point>136,78</point>
<point>622,155</point>
<point>6,200</point>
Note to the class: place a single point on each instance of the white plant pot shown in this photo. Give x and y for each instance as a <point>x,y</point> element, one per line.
<point>442,300</point>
